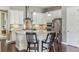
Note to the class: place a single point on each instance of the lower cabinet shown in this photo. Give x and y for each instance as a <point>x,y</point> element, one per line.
<point>21,42</point>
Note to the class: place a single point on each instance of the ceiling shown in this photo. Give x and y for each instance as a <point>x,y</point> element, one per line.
<point>51,8</point>
<point>43,7</point>
<point>48,8</point>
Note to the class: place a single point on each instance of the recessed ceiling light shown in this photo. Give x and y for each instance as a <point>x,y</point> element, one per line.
<point>34,13</point>
<point>49,14</point>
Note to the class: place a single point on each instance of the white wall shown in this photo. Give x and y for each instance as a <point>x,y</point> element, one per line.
<point>70,23</point>
<point>63,24</point>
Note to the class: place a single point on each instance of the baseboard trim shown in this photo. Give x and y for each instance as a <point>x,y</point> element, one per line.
<point>64,43</point>
<point>70,44</point>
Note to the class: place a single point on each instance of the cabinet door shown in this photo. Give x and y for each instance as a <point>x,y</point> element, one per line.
<point>16,20</point>
<point>43,19</point>
<point>39,18</point>
<point>12,17</point>
<point>16,17</point>
<point>21,17</point>
<point>34,19</point>
<point>3,18</point>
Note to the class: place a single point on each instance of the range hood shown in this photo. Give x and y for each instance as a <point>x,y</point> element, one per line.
<point>28,17</point>
<point>27,20</point>
<point>26,8</point>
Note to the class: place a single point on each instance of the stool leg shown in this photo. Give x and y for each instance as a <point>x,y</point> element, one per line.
<point>29,47</point>
<point>35,47</point>
<point>42,47</point>
<point>38,46</point>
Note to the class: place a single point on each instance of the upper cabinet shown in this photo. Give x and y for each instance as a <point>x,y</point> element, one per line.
<point>3,18</point>
<point>39,18</point>
<point>53,14</point>
<point>43,18</point>
<point>16,16</point>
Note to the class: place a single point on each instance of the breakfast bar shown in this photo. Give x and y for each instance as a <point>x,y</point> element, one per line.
<point>21,41</point>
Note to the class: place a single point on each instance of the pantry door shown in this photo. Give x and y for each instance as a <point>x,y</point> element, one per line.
<point>72,26</point>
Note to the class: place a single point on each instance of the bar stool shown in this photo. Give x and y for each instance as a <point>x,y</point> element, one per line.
<point>31,37</point>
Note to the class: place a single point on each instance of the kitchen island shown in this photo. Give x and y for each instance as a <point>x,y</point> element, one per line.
<point>21,41</point>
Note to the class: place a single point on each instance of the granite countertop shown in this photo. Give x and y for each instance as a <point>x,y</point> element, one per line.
<point>39,32</point>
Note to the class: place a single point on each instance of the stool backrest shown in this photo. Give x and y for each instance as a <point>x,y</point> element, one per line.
<point>50,37</point>
<point>31,37</point>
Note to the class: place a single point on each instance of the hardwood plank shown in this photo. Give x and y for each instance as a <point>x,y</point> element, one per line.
<point>59,48</point>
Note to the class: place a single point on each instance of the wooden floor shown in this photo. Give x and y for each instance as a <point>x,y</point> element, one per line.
<point>11,48</point>
<point>64,48</point>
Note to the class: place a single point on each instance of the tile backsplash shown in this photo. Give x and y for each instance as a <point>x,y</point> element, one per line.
<point>16,26</point>
<point>39,26</point>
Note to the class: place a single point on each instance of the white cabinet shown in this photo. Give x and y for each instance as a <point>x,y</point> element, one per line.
<point>43,18</point>
<point>53,14</point>
<point>34,19</point>
<point>20,38</point>
<point>3,18</point>
<point>16,17</point>
<point>21,17</point>
<point>39,18</point>
<point>21,42</point>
